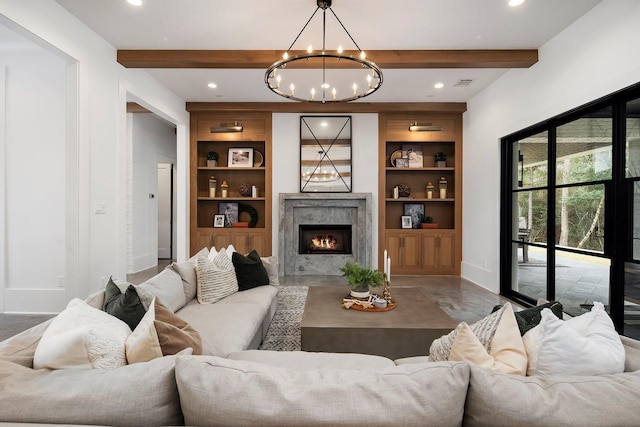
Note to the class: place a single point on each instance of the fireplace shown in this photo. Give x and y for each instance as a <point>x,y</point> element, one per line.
<point>324,210</point>
<point>324,239</point>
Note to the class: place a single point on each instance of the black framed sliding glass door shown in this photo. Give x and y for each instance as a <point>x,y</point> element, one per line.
<point>571,210</point>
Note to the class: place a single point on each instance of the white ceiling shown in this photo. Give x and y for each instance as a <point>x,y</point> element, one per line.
<point>374,24</point>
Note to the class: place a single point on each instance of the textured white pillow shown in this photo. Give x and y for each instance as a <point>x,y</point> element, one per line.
<point>216,279</point>
<point>584,345</point>
<point>82,337</point>
<point>483,329</point>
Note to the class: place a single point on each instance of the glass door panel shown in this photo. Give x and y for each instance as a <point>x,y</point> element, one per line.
<point>530,278</point>
<point>580,280</point>
<point>580,217</point>
<point>633,139</point>
<point>531,156</point>
<point>583,148</point>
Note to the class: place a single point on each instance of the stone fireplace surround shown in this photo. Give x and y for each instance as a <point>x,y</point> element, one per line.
<point>323,209</point>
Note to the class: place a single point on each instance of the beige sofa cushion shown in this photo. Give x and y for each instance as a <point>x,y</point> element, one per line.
<point>167,287</point>
<point>143,394</point>
<point>216,392</point>
<point>306,360</point>
<point>496,399</point>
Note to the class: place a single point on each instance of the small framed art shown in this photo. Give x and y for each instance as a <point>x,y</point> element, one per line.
<point>218,221</point>
<point>416,212</point>
<point>229,212</point>
<point>406,221</point>
<point>240,158</point>
<point>402,162</point>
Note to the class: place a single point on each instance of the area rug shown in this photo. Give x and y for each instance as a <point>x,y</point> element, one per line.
<point>284,332</point>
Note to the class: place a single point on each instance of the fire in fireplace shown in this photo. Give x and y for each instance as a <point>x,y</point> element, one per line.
<point>325,239</point>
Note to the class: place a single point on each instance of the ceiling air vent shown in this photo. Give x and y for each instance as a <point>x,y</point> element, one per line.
<point>464,82</point>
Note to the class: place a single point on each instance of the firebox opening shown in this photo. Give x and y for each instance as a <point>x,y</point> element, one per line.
<point>324,239</point>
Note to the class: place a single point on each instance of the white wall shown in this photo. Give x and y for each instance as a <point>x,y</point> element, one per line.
<point>96,150</point>
<point>286,164</point>
<point>593,57</point>
<point>153,140</point>
<point>34,177</point>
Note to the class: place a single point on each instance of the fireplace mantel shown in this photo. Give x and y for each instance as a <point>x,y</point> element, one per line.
<point>323,208</point>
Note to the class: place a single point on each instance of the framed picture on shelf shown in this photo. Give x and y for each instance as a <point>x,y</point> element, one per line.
<point>416,212</point>
<point>402,162</point>
<point>414,154</point>
<point>218,221</point>
<point>406,221</point>
<point>240,158</point>
<point>229,211</point>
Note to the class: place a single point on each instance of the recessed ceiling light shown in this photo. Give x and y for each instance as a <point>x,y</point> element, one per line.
<point>135,2</point>
<point>438,85</point>
<point>212,85</point>
<point>514,3</point>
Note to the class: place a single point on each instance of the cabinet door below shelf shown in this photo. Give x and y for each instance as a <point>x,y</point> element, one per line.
<point>243,240</point>
<point>404,251</point>
<point>438,252</point>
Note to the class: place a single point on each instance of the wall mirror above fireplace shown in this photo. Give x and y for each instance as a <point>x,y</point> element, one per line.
<point>325,154</point>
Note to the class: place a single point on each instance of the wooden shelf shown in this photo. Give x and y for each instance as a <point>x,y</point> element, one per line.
<point>231,199</point>
<point>415,250</point>
<point>419,199</point>
<point>256,134</point>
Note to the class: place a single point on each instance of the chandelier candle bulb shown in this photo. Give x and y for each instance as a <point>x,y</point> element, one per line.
<point>292,89</point>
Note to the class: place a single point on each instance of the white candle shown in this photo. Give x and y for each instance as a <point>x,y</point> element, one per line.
<point>389,269</point>
<point>384,262</point>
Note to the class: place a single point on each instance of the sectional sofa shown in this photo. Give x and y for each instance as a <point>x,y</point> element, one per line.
<point>233,383</point>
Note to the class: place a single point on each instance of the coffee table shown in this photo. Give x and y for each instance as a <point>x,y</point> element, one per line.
<point>405,331</point>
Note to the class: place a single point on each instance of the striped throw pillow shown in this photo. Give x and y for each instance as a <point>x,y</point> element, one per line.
<point>216,278</point>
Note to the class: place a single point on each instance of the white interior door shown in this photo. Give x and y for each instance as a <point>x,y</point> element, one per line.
<point>165,203</point>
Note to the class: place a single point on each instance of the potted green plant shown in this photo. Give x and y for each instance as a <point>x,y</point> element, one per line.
<point>440,159</point>
<point>212,159</point>
<point>427,222</point>
<point>360,278</point>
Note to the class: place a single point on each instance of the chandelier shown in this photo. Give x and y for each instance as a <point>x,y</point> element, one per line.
<point>336,76</point>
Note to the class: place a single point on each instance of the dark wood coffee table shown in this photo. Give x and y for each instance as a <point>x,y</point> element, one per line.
<point>405,331</point>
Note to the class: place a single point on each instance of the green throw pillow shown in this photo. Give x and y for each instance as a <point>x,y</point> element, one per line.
<point>529,318</point>
<point>125,306</point>
<point>249,270</point>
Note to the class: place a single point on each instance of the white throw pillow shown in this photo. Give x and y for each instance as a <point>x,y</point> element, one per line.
<point>584,345</point>
<point>213,253</point>
<point>271,265</point>
<point>82,337</point>
<point>216,279</point>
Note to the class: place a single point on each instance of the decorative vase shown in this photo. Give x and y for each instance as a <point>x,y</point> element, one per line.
<point>362,291</point>
<point>244,189</point>
<point>212,163</point>
<point>441,163</point>
<point>404,190</point>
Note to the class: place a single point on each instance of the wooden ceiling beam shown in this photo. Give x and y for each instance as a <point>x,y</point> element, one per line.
<point>385,59</point>
<point>340,107</point>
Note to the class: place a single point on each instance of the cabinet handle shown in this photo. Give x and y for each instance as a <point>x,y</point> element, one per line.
<point>438,242</point>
